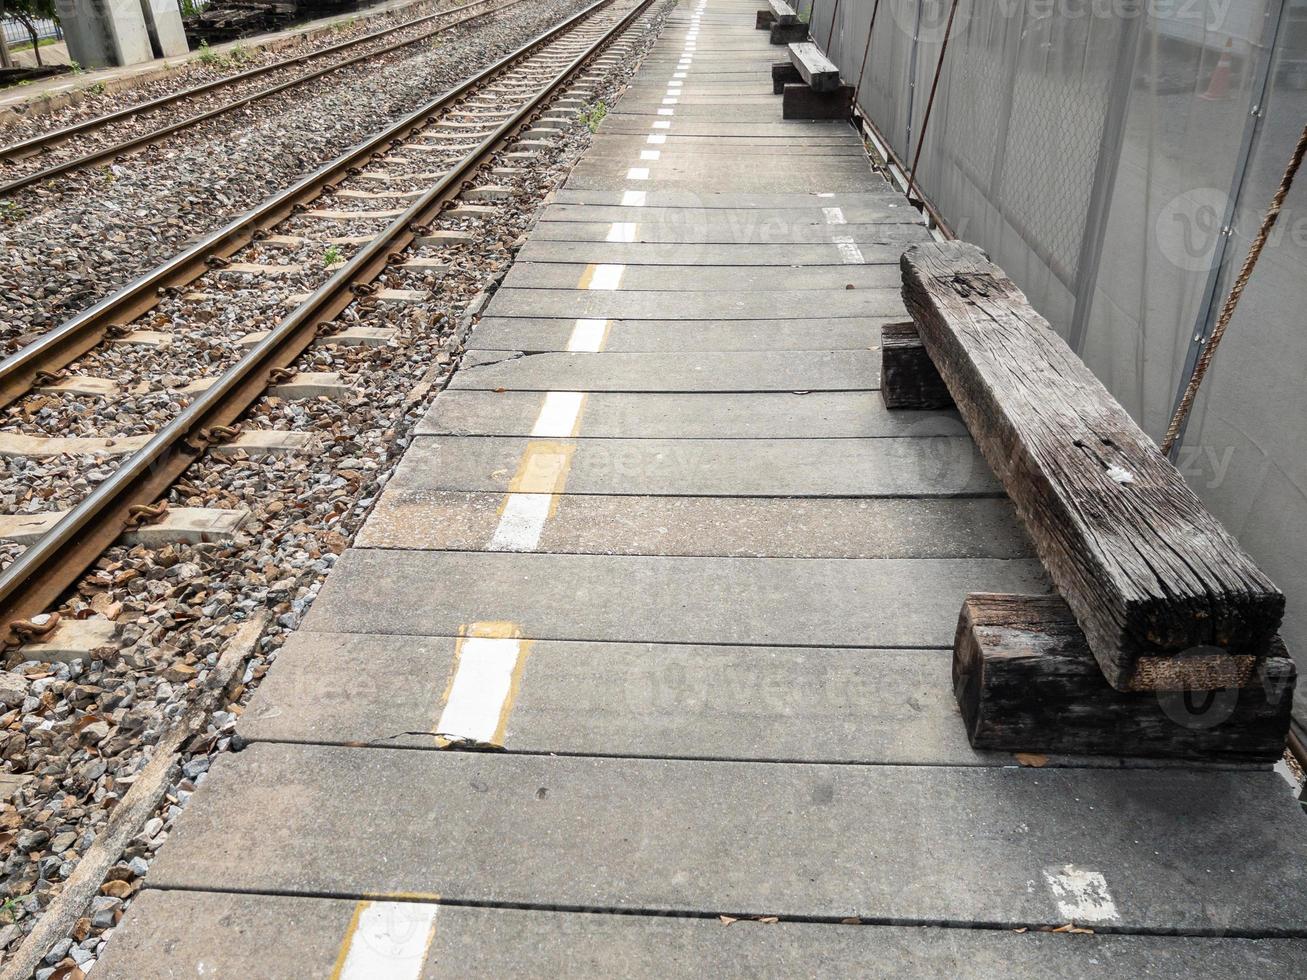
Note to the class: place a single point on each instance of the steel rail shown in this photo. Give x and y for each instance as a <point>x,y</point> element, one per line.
<point>85,330</point>
<point>154,135</point>
<point>43,572</point>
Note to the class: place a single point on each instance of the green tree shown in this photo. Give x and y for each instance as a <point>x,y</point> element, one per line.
<point>27,13</point>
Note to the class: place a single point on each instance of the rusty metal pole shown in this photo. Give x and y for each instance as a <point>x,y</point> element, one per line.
<point>930,102</point>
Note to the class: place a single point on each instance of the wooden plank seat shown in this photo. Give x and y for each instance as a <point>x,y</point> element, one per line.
<point>1026,681</point>
<point>1165,596</point>
<point>777,12</point>
<point>815,68</point>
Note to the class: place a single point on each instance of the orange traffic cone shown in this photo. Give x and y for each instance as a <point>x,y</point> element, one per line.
<point>1219,84</point>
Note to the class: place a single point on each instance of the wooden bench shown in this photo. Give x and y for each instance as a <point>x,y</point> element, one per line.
<point>777,12</point>
<point>1026,681</point>
<point>810,84</point>
<point>783,21</point>
<point>1166,598</point>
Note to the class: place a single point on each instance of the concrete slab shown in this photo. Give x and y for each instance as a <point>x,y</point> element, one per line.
<point>813,213</point>
<point>707,228</point>
<point>729,178</point>
<point>190,525</point>
<point>940,466</point>
<point>637,699</point>
<point>410,515</point>
<point>782,601</point>
<point>277,935</point>
<point>853,274</point>
<point>676,336</point>
<point>702,371</point>
<point>1002,847</point>
<point>656,415</point>
<point>800,263</point>
<point>696,304</point>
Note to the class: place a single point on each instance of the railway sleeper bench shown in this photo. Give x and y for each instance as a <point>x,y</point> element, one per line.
<point>810,85</point>
<point>777,12</point>
<point>783,21</point>
<point>1165,597</point>
<point>1026,681</point>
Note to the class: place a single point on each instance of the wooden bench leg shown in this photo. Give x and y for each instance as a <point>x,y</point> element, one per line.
<point>1026,681</point>
<point>801,102</point>
<point>765,20</point>
<point>784,73</point>
<point>908,378</point>
<point>788,33</point>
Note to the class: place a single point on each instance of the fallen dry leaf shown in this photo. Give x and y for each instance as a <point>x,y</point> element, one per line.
<point>1032,759</point>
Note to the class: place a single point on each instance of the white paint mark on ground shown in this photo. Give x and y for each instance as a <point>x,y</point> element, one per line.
<point>481,690</point>
<point>666,112</point>
<point>834,216</point>
<point>633,199</point>
<point>662,124</point>
<point>559,415</point>
<point>588,336</point>
<point>521,523</point>
<point>1081,896</point>
<point>650,154</point>
<point>657,139</point>
<point>604,276</point>
<point>622,231</point>
<point>849,251</point>
<point>387,941</point>
<point>638,173</point>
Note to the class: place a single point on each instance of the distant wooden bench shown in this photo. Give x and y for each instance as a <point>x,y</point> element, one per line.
<point>810,84</point>
<point>783,22</point>
<point>777,12</point>
<point>1166,598</point>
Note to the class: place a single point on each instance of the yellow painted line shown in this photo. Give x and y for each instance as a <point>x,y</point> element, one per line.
<point>489,659</point>
<point>386,939</point>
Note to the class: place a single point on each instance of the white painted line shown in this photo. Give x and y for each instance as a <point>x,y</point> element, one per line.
<point>389,940</point>
<point>670,101</point>
<point>678,74</point>
<point>834,216</point>
<point>849,251</point>
<point>662,124</point>
<point>666,112</point>
<point>588,336</point>
<point>638,173</point>
<point>650,154</point>
<point>656,139</point>
<point>483,680</point>
<point>558,415</point>
<point>621,231</point>
<point>633,199</point>
<point>605,277</point>
<point>1081,896</point>
<point>521,523</point>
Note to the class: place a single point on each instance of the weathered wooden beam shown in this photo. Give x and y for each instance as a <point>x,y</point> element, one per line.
<point>1148,572</point>
<point>817,70</point>
<point>788,33</point>
<point>765,20</point>
<point>801,102</point>
<point>783,73</point>
<point>1026,681</point>
<point>908,378</point>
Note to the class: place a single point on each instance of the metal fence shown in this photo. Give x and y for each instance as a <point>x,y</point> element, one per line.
<point>1115,157</point>
<point>16,32</point>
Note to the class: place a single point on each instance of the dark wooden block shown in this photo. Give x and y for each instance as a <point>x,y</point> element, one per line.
<point>765,20</point>
<point>801,102</point>
<point>783,73</point>
<point>788,33</point>
<point>1166,597</point>
<point>908,378</point>
<point>1026,681</point>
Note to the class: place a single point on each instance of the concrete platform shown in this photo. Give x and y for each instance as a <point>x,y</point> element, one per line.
<point>662,548</point>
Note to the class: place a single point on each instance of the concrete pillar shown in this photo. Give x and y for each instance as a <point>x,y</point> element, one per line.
<point>164,20</point>
<point>101,33</point>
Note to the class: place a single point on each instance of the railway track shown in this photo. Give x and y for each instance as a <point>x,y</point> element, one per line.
<point>430,160</point>
<point>34,155</point>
